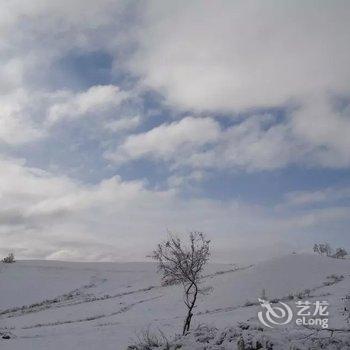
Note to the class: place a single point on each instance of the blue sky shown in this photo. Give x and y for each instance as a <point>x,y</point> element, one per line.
<point>122,120</point>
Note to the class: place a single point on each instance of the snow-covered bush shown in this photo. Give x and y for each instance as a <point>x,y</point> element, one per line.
<point>340,253</point>
<point>9,259</point>
<point>251,336</point>
<point>323,248</point>
<point>347,307</point>
<point>148,340</point>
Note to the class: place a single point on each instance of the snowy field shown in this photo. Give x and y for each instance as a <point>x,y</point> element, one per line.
<point>48,305</point>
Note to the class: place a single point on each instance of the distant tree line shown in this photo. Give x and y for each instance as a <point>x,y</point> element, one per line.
<point>326,249</point>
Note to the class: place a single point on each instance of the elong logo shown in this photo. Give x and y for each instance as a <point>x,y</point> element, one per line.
<point>274,315</point>
<point>308,314</point>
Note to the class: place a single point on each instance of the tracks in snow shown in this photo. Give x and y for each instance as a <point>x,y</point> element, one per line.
<point>95,317</point>
<point>81,295</point>
<point>72,298</point>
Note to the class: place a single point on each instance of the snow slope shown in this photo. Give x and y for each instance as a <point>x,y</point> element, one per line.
<point>47,305</point>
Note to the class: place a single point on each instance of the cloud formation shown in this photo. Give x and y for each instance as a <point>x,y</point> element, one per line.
<point>49,216</point>
<point>236,55</point>
<point>169,141</point>
<point>16,127</point>
<point>97,100</point>
<point>120,119</point>
<point>326,195</point>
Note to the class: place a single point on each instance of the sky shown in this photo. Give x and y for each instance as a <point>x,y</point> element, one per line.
<point>123,120</point>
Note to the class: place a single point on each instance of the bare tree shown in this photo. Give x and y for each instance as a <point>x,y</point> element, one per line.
<point>182,264</point>
<point>323,248</point>
<point>328,249</point>
<point>340,253</point>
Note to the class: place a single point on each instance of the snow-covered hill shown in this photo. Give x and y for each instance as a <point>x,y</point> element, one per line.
<point>47,305</point>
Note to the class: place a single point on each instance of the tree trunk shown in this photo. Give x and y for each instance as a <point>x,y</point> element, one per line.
<point>188,319</point>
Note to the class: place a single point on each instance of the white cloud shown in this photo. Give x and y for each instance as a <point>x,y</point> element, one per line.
<point>36,35</point>
<point>312,135</point>
<point>230,56</point>
<point>326,129</point>
<point>123,124</point>
<point>256,145</point>
<point>74,21</point>
<point>322,196</point>
<point>318,217</point>
<point>48,216</point>
<point>15,129</point>
<point>234,55</point>
<point>168,141</point>
<point>11,73</point>
<point>97,99</point>
<point>182,180</point>
<point>16,126</point>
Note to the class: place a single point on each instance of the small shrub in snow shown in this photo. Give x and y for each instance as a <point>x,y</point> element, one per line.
<point>347,307</point>
<point>9,259</point>
<point>323,248</point>
<point>333,279</point>
<point>250,336</point>
<point>148,340</point>
<point>240,344</point>
<point>340,253</point>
